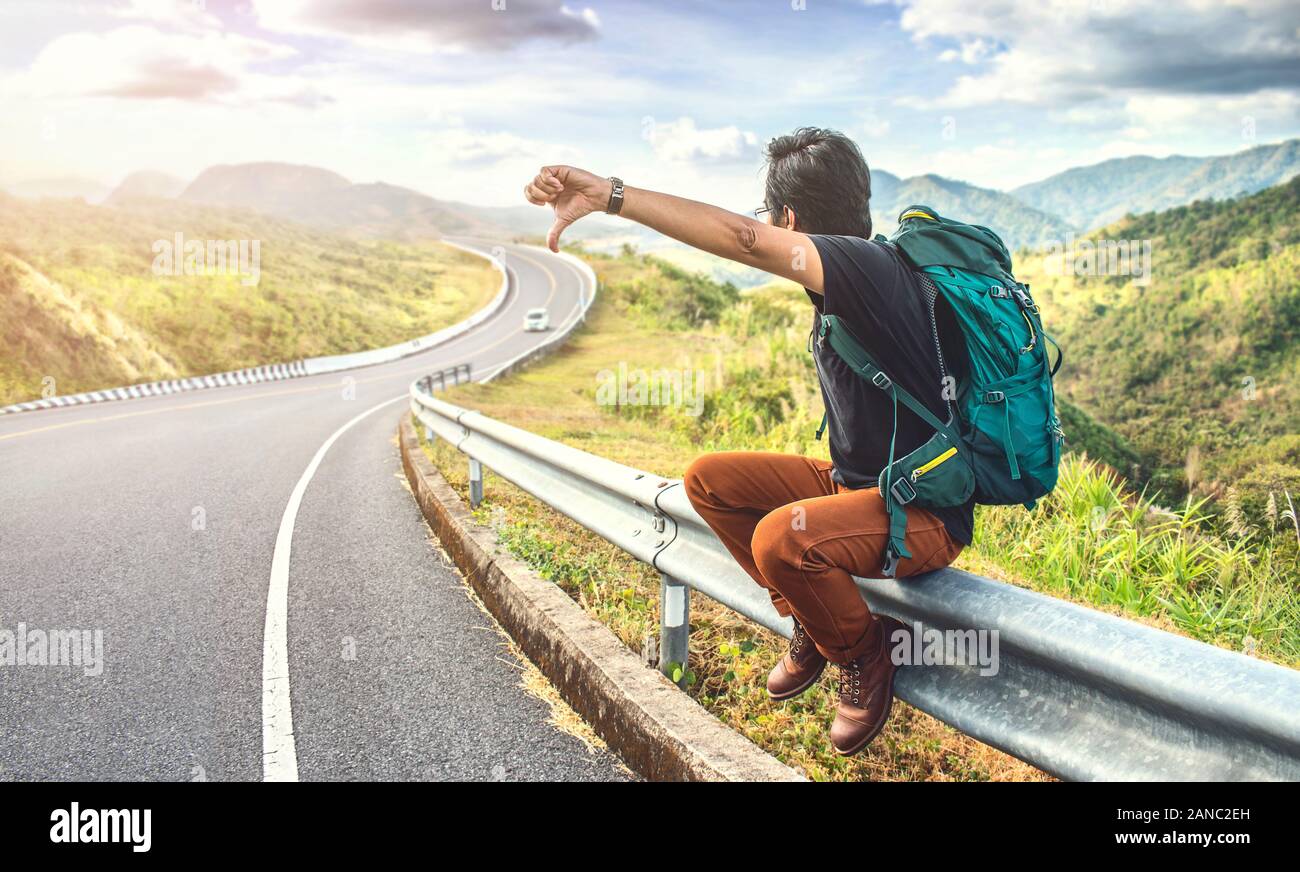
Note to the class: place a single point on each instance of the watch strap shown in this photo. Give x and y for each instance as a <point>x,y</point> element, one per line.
<point>615,204</point>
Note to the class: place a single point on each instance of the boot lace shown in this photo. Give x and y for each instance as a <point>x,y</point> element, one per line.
<point>798,640</point>
<point>851,682</point>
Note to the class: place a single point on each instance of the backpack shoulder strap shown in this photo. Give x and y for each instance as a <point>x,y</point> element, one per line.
<point>846,345</point>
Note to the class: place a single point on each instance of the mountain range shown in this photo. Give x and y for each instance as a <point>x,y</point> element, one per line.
<point>325,199</point>
<point>1020,225</point>
<point>1074,201</point>
<point>146,184</point>
<point>1097,195</point>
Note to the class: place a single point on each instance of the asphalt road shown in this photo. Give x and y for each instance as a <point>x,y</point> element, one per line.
<point>154,523</point>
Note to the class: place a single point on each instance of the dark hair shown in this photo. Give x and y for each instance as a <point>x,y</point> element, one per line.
<point>821,175</point>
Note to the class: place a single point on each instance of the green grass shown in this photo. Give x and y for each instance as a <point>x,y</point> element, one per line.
<point>80,304</point>
<point>1096,542</point>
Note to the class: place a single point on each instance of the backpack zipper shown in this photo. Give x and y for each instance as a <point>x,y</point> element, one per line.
<point>938,349</point>
<point>926,467</point>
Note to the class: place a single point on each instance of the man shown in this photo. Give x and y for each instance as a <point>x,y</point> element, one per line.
<point>803,527</point>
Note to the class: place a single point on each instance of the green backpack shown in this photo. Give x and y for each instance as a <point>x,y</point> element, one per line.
<point>1004,444</point>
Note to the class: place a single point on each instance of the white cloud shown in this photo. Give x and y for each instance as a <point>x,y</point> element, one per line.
<point>1045,53</point>
<point>142,62</point>
<point>431,25</point>
<point>479,102</point>
<point>681,141</point>
<point>873,126</point>
<point>587,14</point>
<point>460,146</point>
<point>186,14</point>
<point>1164,118</point>
<point>971,52</point>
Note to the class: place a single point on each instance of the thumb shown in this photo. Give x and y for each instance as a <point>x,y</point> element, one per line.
<point>553,238</point>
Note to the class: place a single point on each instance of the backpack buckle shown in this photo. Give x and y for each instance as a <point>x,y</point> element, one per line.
<point>1023,298</point>
<point>881,381</point>
<point>994,397</point>
<point>889,565</point>
<point>902,498</point>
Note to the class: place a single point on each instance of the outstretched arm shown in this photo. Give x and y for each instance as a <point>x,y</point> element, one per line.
<point>575,193</point>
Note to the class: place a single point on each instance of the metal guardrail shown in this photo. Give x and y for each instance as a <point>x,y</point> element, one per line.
<point>1081,694</point>
<point>449,376</point>
<point>249,376</point>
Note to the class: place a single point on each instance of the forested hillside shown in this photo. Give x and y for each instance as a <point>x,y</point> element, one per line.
<point>1198,368</point>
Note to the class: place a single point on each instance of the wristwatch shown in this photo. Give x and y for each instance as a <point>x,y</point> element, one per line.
<point>615,196</point>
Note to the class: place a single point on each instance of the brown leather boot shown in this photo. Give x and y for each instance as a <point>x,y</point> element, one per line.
<point>798,670</point>
<point>866,697</point>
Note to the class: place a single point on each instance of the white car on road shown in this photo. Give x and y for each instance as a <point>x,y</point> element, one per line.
<point>536,320</point>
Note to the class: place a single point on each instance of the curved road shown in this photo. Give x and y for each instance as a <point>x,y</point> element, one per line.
<point>155,521</point>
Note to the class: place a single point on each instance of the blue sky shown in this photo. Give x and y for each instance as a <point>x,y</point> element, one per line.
<point>463,99</point>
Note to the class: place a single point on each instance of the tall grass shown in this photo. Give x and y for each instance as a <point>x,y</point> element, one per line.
<point>1095,541</point>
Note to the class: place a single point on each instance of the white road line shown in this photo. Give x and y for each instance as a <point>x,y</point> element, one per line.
<point>279,756</point>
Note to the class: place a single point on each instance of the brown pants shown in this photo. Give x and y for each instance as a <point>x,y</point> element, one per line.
<point>802,537</point>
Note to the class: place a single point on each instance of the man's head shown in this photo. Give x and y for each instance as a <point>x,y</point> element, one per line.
<point>817,182</point>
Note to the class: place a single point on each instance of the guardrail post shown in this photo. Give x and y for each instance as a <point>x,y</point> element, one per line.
<point>442,382</point>
<point>475,483</point>
<point>429,435</point>
<point>674,627</point>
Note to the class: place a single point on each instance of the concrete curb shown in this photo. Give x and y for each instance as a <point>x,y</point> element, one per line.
<point>661,733</point>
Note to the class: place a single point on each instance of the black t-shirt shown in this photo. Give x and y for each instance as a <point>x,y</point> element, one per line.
<point>905,326</point>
